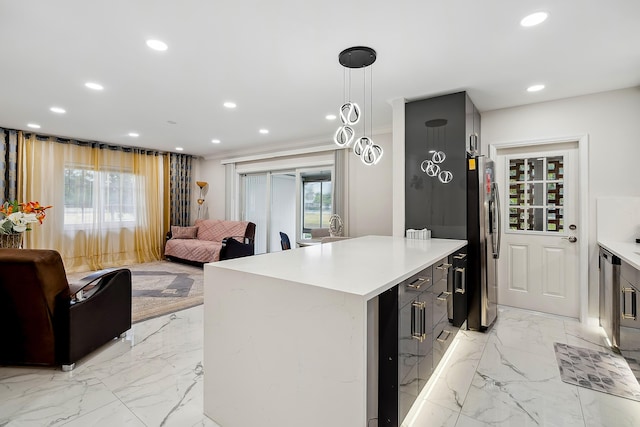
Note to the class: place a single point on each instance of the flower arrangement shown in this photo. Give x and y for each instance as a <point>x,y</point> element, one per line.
<point>16,217</point>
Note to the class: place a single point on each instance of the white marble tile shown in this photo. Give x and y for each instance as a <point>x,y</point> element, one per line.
<point>46,396</point>
<point>585,336</point>
<point>464,421</point>
<point>606,410</point>
<point>517,363</point>
<point>522,403</point>
<point>431,415</point>
<point>112,414</point>
<point>452,381</point>
<point>519,329</point>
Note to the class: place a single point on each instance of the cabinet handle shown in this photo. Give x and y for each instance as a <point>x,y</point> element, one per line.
<point>461,284</point>
<point>631,316</point>
<point>444,331</point>
<point>418,320</point>
<point>418,282</point>
<point>444,295</point>
<point>444,266</point>
<point>460,256</point>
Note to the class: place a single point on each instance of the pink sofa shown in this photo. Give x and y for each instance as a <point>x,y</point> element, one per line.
<point>203,242</point>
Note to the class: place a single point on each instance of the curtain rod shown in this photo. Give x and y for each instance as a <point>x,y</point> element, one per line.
<point>95,144</point>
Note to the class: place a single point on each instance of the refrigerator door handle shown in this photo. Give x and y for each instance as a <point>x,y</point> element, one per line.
<point>496,249</point>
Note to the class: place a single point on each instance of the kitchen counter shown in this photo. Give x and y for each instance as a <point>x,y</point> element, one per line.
<point>628,252</point>
<point>290,338</point>
<point>364,266</point>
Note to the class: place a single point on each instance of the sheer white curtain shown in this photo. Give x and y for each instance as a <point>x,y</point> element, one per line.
<point>108,203</point>
<point>255,207</point>
<point>283,210</point>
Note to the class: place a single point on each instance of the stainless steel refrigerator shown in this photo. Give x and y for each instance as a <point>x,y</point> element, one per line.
<point>483,234</point>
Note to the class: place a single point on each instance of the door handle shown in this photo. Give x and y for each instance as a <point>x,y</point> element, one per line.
<point>418,319</point>
<point>496,251</point>
<point>460,285</point>
<point>416,284</point>
<point>633,313</point>
<point>571,239</point>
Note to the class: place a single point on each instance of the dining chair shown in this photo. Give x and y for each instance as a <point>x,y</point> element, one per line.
<point>284,241</point>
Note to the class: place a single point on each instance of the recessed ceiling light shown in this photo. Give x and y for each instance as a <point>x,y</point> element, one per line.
<point>33,125</point>
<point>264,131</point>
<point>179,148</point>
<point>134,134</point>
<point>94,86</point>
<point>157,45</point>
<point>58,110</point>
<point>535,88</point>
<point>330,117</point>
<point>230,104</point>
<point>534,19</point>
<point>215,141</point>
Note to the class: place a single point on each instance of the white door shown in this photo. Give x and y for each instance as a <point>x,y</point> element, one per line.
<point>539,262</point>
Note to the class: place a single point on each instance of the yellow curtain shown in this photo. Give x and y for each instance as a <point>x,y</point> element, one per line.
<point>108,204</point>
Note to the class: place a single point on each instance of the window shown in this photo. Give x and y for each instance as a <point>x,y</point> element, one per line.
<point>317,201</point>
<point>536,194</point>
<point>98,196</point>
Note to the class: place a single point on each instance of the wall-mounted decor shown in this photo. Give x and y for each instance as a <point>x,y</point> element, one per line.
<point>436,139</point>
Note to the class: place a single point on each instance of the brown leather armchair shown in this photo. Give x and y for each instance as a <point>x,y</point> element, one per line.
<point>46,321</point>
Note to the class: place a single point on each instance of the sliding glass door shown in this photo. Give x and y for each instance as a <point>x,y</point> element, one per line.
<point>269,201</point>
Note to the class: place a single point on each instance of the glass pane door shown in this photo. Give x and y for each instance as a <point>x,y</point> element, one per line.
<point>536,194</point>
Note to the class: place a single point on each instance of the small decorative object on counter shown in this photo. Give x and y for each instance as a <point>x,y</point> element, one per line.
<point>16,218</point>
<point>336,227</point>
<point>423,234</point>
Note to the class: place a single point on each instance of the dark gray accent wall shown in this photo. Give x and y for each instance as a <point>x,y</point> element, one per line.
<point>428,202</point>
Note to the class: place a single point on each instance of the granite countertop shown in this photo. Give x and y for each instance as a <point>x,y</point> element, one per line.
<point>365,266</point>
<point>628,252</point>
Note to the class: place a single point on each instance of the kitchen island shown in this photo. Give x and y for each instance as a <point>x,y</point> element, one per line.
<point>290,337</point>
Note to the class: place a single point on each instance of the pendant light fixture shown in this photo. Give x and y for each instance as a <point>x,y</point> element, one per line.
<point>350,112</point>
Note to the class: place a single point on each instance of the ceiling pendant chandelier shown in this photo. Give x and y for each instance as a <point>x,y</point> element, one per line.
<point>350,113</point>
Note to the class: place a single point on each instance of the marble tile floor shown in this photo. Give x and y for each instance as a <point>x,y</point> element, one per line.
<point>153,377</point>
<point>509,376</point>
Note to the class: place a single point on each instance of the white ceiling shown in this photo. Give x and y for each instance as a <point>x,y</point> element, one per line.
<point>278,60</point>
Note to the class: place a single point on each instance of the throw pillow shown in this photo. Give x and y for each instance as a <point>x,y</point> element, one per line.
<point>178,232</point>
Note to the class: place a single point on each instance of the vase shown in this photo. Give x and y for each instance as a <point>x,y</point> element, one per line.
<point>13,240</point>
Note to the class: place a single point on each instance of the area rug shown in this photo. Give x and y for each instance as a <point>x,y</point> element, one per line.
<point>161,287</point>
<point>597,370</point>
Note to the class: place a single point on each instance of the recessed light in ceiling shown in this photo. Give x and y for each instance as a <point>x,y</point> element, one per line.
<point>330,117</point>
<point>58,110</point>
<point>535,88</point>
<point>33,125</point>
<point>134,134</point>
<point>264,131</point>
<point>215,141</point>
<point>94,86</point>
<point>229,104</point>
<point>157,45</point>
<point>534,19</point>
<point>179,148</point>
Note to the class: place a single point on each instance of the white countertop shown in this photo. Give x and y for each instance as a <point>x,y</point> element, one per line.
<point>365,266</point>
<point>628,252</point>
